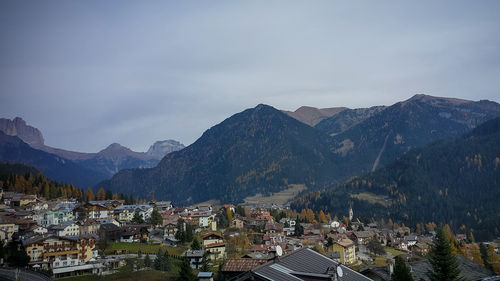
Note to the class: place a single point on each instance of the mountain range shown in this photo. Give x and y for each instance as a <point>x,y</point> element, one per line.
<point>83,169</point>
<point>263,150</point>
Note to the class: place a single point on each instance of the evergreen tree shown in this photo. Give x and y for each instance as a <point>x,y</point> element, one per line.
<point>109,195</point>
<point>180,234</point>
<point>147,261</point>
<point>189,233</point>
<point>196,244</point>
<point>401,271</point>
<point>156,218</point>
<point>158,262</point>
<point>444,265</point>
<point>186,272</point>
<point>137,219</point>
<point>299,229</point>
<point>166,263</point>
<point>139,253</point>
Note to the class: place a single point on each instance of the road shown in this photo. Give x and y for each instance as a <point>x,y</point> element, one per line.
<point>7,274</point>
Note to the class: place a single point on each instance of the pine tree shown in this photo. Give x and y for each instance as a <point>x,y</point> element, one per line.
<point>196,244</point>
<point>137,219</point>
<point>156,219</point>
<point>166,264</point>
<point>401,271</point>
<point>186,272</point>
<point>444,265</point>
<point>158,262</point>
<point>147,261</point>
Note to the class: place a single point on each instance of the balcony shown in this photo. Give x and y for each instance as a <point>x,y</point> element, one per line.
<point>56,254</point>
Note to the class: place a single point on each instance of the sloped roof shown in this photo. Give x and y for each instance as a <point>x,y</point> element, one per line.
<point>242,264</point>
<point>304,264</point>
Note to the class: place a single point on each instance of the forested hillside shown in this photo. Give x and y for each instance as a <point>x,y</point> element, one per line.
<point>455,182</point>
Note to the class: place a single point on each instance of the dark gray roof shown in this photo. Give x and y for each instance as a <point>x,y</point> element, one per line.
<point>304,264</point>
<point>469,269</point>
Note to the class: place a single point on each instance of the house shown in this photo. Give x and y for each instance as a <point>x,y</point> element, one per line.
<point>67,228</point>
<point>23,200</point>
<point>363,237</point>
<point>170,230</point>
<point>7,229</point>
<point>303,264</point>
<point>111,231</point>
<point>89,226</point>
<point>50,217</point>
<point>213,244</point>
<point>93,210</point>
<point>135,233</point>
<point>123,214</point>
<point>163,206</point>
<point>144,210</point>
<point>411,240</point>
<point>237,223</point>
<point>195,258</point>
<point>346,250</point>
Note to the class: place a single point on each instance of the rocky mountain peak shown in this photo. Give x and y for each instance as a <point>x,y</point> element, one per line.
<point>161,148</point>
<point>18,127</point>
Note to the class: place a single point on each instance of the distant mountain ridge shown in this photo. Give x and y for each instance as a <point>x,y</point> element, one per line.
<point>104,163</point>
<point>259,150</point>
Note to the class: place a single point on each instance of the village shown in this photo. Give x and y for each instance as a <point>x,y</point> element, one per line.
<point>64,238</point>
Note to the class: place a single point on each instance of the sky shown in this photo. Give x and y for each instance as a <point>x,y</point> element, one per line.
<point>90,73</point>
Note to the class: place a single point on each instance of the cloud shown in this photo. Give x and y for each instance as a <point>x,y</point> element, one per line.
<point>91,73</point>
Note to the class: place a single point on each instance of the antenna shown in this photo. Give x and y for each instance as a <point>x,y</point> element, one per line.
<point>340,272</point>
<point>279,251</point>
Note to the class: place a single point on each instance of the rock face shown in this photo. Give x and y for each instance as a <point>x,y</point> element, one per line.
<point>19,128</point>
<point>161,148</point>
<point>311,115</point>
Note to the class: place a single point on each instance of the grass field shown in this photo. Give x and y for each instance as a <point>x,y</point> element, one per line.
<point>393,251</point>
<point>380,261</point>
<point>281,197</point>
<point>145,248</point>
<point>372,198</point>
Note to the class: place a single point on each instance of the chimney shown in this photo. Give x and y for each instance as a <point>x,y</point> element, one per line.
<point>390,267</point>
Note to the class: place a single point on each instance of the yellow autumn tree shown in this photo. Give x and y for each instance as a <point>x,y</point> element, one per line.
<point>90,195</point>
<point>322,217</point>
<point>101,194</point>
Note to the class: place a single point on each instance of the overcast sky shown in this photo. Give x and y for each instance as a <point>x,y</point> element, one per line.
<point>89,73</point>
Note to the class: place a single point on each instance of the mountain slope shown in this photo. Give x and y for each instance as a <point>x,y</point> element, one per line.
<point>14,150</point>
<point>455,182</point>
<point>258,150</point>
<point>416,122</point>
<point>311,115</point>
<point>346,119</point>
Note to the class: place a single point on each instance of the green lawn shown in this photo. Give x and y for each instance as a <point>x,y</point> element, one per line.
<point>393,251</point>
<point>145,248</point>
<point>380,261</point>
